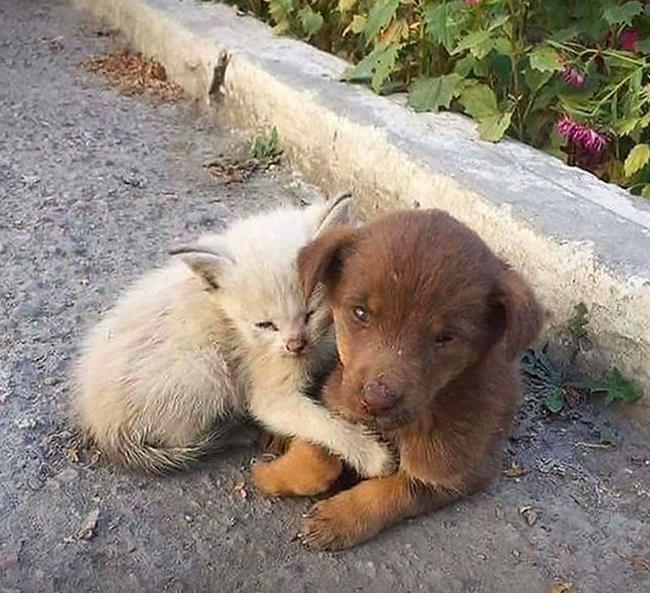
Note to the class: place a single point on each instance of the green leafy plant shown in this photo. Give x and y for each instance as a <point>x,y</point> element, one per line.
<point>571,78</point>
<point>616,387</point>
<point>559,384</point>
<point>546,380</point>
<point>266,146</point>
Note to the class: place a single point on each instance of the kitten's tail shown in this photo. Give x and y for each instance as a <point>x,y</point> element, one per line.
<point>133,452</point>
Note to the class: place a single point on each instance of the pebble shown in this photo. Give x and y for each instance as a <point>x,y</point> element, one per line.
<point>8,561</point>
<point>67,475</point>
<point>26,422</point>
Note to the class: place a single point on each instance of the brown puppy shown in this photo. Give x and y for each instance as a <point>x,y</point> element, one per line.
<point>430,325</point>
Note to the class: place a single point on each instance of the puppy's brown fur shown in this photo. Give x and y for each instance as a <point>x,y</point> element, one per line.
<point>444,323</point>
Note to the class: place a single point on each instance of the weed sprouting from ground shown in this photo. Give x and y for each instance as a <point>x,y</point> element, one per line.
<point>559,383</point>
<point>266,146</point>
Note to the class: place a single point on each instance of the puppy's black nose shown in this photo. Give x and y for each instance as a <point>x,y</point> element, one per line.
<point>377,398</point>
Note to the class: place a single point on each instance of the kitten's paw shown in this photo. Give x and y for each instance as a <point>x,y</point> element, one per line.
<point>377,460</point>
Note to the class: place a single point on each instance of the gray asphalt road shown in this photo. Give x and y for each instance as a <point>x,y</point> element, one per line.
<point>93,188</point>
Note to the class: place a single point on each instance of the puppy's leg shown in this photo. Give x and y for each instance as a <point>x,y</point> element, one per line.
<point>304,470</point>
<point>356,515</point>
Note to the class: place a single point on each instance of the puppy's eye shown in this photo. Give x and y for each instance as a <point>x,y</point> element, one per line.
<point>443,339</point>
<point>361,313</point>
<point>308,316</point>
<point>267,325</point>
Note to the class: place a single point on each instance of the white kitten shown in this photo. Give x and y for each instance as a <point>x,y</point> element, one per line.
<point>220,331</point>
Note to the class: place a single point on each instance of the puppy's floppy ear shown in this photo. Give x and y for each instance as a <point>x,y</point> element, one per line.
<point>209,264</point>
<point>322,259</point>
<point>337,212</point>
<point>521,317</point>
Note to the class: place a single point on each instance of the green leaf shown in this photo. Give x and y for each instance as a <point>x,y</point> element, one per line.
<point>643,46</point>
<point>545,59</point>
<point>637,159</point>
<point>346,5</point>
<point>502,45</point>
<point>645,192</point>
<point>617,387</point>
<point>554,401</point>
<point>498,21</point>
<point>443,26</point>
<point>624,127</point>
<point>479,101</point>
<point>536,79</point>
<point>311,21</point>
<point>623,13</point>
<point>564,35</point>
<point>465,65</point>
<point>280,11</point>
<point>493,127</point>
<point>478,42</point>
<point>429,94</point>
<point>377,66</point>
<point>381,13</point>
<point>266,146</point>
<point>358,23</point>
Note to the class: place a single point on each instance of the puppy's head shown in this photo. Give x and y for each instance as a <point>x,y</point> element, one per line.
<point>417,299</point>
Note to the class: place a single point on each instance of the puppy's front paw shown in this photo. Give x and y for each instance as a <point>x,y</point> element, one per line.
<point>296,475</point>
<point>268,479</point>
<point>331,525</point>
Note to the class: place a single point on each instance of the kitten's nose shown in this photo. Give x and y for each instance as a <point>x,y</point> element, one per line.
<point>377,398</point>
<point>296,344</point>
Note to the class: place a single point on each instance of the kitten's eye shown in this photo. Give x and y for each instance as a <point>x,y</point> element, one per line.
<point>308,316</point>
<point>443,338</point>
<point>361,313</point>
<point>267,325</point>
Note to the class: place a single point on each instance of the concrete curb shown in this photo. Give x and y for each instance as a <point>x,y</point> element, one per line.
<point>576,238</point>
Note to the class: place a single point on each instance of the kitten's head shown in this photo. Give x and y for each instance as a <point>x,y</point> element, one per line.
<point>252,267</point>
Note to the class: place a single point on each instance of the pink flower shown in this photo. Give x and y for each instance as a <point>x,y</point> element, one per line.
<point>472,3</point>
<point>573,77</point>
<point>582,136</point>
<point>628,39</point>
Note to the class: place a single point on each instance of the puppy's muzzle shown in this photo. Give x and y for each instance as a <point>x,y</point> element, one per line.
<point>377,398</point>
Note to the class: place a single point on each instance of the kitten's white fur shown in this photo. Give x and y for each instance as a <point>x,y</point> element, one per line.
<point>180,352</point>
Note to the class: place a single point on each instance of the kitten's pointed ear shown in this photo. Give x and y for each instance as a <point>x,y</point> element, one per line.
<point>206,263</point>
<point>321,261</point>
<point>337,212</point>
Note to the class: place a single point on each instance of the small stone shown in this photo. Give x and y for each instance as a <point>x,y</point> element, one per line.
<point>529,514</point>
<point>88,525</point>
<point>30,180</point>
<point>189,518</point>
<point>8,561</point>
<point>67,475</point>
<point>26,422</point>
<point>50,381</point>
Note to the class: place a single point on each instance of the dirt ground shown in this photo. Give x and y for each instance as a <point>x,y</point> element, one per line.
<point>94,186</point>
